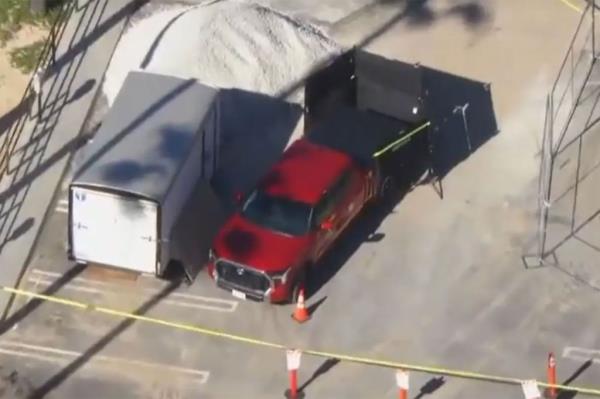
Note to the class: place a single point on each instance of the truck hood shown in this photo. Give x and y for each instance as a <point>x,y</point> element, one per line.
<point>244,242</point>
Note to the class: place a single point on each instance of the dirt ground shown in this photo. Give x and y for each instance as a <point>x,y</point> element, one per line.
<point>12,81</point>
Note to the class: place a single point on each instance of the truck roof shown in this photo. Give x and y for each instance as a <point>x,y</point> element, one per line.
<point>305,171</point>
<point>146,136</point>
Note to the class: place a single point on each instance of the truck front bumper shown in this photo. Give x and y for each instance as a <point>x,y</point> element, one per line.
<point>276,293</point>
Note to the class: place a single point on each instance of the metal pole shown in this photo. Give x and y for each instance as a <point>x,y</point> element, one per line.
<point>548,159</point>
<point>593,32</point>
<point>541,190</point>
<point>463,110</point>
<point>293,384</point>
<point>572,82</point>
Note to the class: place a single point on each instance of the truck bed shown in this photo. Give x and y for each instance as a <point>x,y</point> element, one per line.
<point>358,133</point>
<point>361,102</point>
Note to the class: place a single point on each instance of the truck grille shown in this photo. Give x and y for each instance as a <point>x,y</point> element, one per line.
<point>242,278</point>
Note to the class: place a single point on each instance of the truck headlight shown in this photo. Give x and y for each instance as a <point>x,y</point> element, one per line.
<point>281,277</point>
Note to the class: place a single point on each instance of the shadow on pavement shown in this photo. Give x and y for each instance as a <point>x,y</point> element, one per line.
<point>462,119</point>
<point>28,178</point>
<point>60,377</point>
<point>431,386</point>
<point>11,321</point>
<point>462,114</point>
<point>11,117</point>
<point>312,308</point>
<point>565,394</point>
<point>18,231</point>
<point>419,13</point>
<point>327,365</point>
<point>97,32</point>
<point>255,130</point>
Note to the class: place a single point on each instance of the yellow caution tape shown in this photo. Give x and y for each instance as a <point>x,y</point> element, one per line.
<point>253,341</point>
<point>401,140</point>
<point>572,6</point>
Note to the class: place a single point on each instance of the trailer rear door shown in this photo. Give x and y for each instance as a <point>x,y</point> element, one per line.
<point>113,230</point>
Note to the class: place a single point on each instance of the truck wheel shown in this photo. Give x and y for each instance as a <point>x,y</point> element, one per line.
<point>295,293</point>
<point>301,281</point>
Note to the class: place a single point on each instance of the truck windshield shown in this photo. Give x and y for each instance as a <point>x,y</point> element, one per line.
<point>278,214</point>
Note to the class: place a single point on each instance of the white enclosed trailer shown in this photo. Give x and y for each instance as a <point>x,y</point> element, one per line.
<point>156,147</point>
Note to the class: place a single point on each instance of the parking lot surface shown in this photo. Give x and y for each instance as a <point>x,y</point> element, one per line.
<point>436,281</point>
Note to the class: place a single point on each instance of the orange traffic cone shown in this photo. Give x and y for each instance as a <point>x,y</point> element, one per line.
<point>300,313</point>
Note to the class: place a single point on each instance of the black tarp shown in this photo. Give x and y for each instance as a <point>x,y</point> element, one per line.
<point>365,82</point>
<point>403,96</point>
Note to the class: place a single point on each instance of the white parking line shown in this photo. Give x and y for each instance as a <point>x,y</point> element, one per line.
<point>62,206</point>
<point>62,356</point>
<point>43,278</point>
<point>581,354</point>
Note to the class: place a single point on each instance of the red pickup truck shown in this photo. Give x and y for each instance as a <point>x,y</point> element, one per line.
<point>360,113</point>
<point>285,225</point>
<point>289,221</point>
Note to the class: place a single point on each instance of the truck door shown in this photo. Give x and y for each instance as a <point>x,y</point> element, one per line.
<point>358,192</point>
<point>324,211</point>
<point>346,192</point>
<point>334,207</point>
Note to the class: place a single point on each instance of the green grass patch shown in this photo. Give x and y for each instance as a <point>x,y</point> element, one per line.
<point>5,35</point>
<point>25,58</point>
<point>16,13</point>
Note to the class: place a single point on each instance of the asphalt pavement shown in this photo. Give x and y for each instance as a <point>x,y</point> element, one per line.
<point>437,281</point>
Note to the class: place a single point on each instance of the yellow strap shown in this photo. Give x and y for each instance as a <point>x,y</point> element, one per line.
<point>401,139</point>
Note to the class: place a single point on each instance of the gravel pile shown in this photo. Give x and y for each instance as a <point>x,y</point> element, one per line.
<point>224,44</point>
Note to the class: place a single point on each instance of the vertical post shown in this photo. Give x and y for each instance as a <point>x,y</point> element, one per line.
<point>402,382</point>
<point>293,384</point>
<point>463,110</point>
<point>293,364</point>
<point>552,375</point>
<point>545,174</point>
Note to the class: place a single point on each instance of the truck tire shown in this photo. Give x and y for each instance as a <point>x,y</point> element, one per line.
<point>301,281</point>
